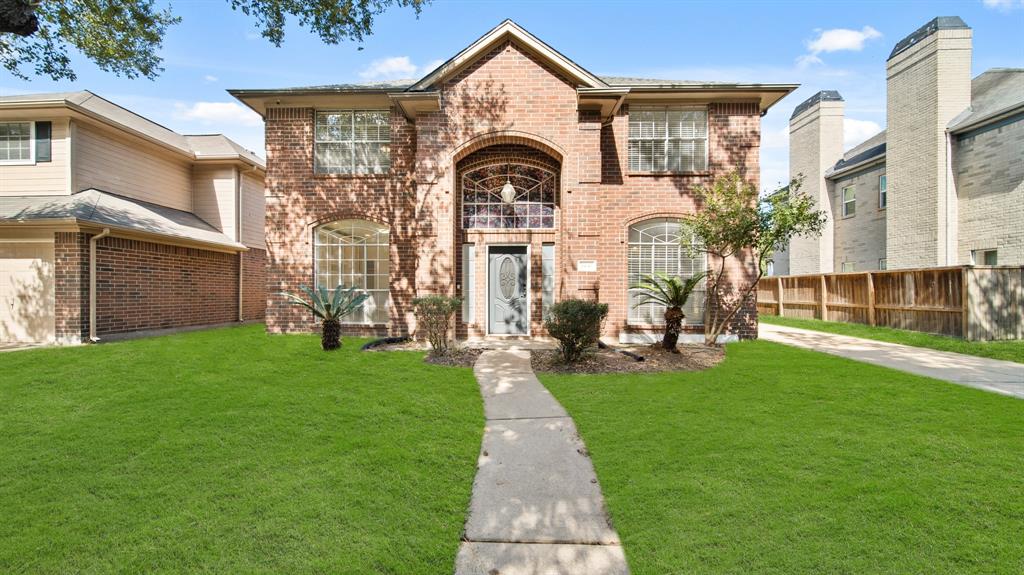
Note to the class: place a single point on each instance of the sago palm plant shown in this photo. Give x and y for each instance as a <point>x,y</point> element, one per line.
<point>329,310</point>
<point>672,292</point>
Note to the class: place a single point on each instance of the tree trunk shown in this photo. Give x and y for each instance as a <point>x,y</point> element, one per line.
<point>673,325</point>
<point>330,334</point>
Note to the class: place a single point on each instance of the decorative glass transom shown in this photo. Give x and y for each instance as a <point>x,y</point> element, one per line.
<point>530,203</point>
<point>664,245</point>
<point>355,253</point>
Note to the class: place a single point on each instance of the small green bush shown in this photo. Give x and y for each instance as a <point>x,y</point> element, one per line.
<point>576,324</point>
<point>434,314</point>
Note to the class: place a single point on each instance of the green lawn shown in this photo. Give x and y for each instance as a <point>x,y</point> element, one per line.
<point>1005,350</point>
<point>231,451</point>
<point>785,461</point>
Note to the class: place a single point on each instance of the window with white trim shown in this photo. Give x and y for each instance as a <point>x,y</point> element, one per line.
<point>848,267</point>
<point>664,245</point>
<point>883,199</point>
<point>352,142</point>
<point>883,264</point>
<point>668,139</point>
<point>849,201</point>
<point>16,139</point>
<point>355,253</point>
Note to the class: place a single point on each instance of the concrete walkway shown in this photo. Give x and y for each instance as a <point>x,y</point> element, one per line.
<point>1004,377</point>
<point>536,508</point>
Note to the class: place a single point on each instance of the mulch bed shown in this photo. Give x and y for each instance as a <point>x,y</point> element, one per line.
<point>456,356</point>
<point>656,358</point>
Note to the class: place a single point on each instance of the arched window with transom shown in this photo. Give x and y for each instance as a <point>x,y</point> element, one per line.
<point>355,253</point>
<point>508,195</point>
<point>664,245</point>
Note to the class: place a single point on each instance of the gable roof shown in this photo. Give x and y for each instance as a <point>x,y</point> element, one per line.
<point>103,110</point>
<point>501,32</point>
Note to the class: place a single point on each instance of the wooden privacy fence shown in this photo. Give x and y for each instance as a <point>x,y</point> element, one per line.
<point>976,303</point>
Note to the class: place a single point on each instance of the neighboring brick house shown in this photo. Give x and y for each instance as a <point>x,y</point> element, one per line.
<point>942,185</point>
<point>107,215</point>
<point>509,176</point>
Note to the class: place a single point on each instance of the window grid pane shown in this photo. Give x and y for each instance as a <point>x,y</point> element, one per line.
<point>15,141</point>
<point>352,142</point>
<point>355,253</point>
<point>668,139</point>
<point>533,206</point>
<point>663,246</point>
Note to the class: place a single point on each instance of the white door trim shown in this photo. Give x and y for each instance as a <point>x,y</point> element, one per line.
<point>487,298</point>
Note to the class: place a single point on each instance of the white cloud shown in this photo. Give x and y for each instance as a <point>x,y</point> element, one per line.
<point>389,68</point>
<point>836,40</point>
<point>856,131</point>
<point>217,114</point>
<point>431,66</point>
<point>839,39</point>
<point>1003,5</point>
<point>210,78</point>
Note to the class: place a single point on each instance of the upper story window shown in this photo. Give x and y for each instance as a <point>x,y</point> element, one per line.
<point>668,139</point>
<point>352,142</point>
<point>16,143</point>
<point>849,201</point>
<point>883,201</point>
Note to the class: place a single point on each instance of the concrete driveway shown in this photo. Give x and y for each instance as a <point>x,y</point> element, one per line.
<point>1004,377</point>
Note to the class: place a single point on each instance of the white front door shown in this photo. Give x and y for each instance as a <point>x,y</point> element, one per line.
<point>508,291</point>
<point>26,292</point>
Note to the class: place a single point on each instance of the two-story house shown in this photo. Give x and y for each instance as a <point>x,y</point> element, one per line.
<point>111,223</point>
<point>509,176</point>
<point>942,185</point>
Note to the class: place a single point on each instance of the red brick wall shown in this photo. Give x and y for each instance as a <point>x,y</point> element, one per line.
<point>509,99</point>
<point>254,284</point>
<point>143,286</point>
<point>71,286</point>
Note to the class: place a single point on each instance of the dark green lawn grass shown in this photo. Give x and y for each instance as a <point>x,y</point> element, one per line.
<point>1004,350</point>
<point>787,461</point>
<point>230,451</point>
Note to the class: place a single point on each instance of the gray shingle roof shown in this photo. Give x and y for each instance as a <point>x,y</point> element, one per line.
<point>109,210</point>
<point>994,92</point>
<point>866,151</point>
<point>630,81</point>
<point>118,116</point>
<point>933,26</point>
<point>822,96</point>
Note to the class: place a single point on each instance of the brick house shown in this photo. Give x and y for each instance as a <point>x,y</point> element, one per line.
<point>111,223</point>
<point>942,185</point>
<point>509,176</point>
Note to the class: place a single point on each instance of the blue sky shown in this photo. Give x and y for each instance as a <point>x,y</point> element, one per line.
<point>820,45</point>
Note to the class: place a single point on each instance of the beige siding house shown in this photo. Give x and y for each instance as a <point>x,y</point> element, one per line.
<point>111,223</point>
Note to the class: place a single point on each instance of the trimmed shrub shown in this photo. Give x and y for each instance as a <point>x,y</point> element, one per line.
<point>576,324</point>
<point>434,315</point>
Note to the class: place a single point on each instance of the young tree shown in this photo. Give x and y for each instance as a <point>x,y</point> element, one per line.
<point>123,36</point>
<point>673,292</point>
<point>734,223</point>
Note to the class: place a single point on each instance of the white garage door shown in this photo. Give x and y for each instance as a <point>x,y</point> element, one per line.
<point>26,292</point>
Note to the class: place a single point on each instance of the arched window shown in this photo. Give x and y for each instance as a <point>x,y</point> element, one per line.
<point>664,245</point>
<point>487,202</point>
<point>355,253</point>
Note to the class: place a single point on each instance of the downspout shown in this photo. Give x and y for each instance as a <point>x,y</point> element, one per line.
<point>238,238</point>
<point>92,283</point>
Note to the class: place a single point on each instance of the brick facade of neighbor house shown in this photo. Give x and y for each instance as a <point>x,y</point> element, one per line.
<point>507,104</point>
<point>145,286</point>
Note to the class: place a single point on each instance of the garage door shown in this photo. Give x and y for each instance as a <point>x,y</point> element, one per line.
<point>26,292</point>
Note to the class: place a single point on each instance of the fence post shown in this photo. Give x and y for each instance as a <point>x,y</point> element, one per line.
<point>778,294</point>
<point>871,299</point>
<point>824,298</point>
<point>965,296</point>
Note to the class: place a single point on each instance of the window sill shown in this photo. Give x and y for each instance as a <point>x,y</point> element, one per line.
<point>353,176</point>
<point>699,174</point>
<point>354,324</point>
<point>17,162</point>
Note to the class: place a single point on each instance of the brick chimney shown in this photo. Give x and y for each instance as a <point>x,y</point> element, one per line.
<point>928,84</point>
<point>815,145</point>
